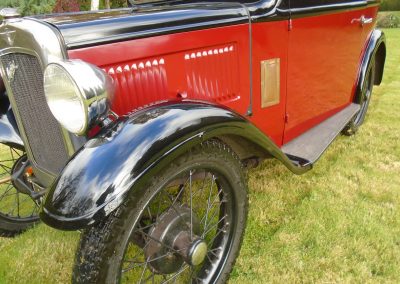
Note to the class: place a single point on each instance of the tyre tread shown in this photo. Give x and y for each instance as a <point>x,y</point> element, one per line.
<point>99,238</point>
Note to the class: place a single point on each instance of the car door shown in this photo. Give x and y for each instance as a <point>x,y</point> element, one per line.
<point>325,47</point>
<point>269,70</point>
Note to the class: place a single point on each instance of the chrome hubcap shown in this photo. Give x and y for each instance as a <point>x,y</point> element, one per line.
<point>172,231</point>
<point>198,252</point>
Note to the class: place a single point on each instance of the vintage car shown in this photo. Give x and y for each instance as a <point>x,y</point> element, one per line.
<point>136,125</point>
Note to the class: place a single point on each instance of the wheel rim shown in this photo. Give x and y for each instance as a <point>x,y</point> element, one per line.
<point>14,205</point>
<point>200,196</point>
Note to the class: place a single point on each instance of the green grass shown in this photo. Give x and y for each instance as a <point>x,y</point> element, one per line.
<point>338,223</point>
<point>396,13</point>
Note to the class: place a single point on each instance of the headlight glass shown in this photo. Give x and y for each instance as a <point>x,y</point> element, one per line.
<point>64,99</point>
<point>79,94</point>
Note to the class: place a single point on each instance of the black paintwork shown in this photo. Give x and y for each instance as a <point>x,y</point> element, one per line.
<point>85,29</point>
<point>164,17</point>
<point>376,49</point>
<point>327,5</point>
<point>296,13</point>
<point>9,133</point>
<point>128,154</point>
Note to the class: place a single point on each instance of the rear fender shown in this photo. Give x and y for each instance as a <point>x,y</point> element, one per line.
<point>128,154</point>
<point>376,50</point>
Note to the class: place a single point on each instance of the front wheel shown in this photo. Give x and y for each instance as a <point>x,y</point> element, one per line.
<point>185,227</point>
<point>18,211</point>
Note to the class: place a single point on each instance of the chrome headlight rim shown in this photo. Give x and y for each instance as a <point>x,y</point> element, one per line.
<point>93,88</point>
<point>61,65</point>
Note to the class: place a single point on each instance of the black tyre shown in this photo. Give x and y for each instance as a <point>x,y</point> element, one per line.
<point>186,226</point>
<point>366,94</point>
<point>18,212</point>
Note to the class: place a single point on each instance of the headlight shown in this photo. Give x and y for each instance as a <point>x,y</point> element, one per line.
<point>78,94</point>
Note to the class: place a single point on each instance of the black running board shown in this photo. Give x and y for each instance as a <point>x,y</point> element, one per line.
<point>309,147</point>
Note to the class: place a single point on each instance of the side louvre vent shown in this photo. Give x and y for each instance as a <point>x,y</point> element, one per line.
<point>209,74</point>
<point>139,83</point>
<point>212,73</point>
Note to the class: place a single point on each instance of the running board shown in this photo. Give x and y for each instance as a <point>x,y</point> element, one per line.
<point>313,143</point>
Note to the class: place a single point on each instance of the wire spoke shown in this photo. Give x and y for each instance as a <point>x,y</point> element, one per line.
<point>152,260</point>
<point>190,201</point>
<point>15,205</point>
<point>212,206</point>
<point>6,168</point>
<point>172,205</point>
<point>6,191</point>
<point>150,277</point>
<point>35,208</point>
<point>207,230</point>
<point>178,195</point>
<point>208,201</point>
<point>144,270</point>
<point>216,235</point>
<point>158,241</point>
<point>176,274</point>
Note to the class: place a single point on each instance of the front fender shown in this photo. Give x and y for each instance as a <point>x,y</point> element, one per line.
<point>124,157</point>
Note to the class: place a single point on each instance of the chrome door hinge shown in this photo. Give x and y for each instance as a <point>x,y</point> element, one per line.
<point>290,25</point>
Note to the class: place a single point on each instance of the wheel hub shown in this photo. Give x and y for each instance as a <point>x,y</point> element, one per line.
<point>171,242</point>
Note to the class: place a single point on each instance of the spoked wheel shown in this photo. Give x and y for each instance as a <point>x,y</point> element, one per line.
<point>18,211</point>
<point>358,119</point>
<point>186,227</point>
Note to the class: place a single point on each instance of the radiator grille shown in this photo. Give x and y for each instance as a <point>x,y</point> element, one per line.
<point>43,132</point>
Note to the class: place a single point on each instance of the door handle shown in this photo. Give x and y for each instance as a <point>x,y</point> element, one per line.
<point>362,21</point>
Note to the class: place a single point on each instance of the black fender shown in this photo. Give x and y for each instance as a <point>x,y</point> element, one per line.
<point>375,50</point>
<point>9,133</point>
<point>131,151</point>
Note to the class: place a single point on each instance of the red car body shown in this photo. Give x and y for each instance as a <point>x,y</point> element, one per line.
<point>320,58</point>
<point>295,72</point>
<point>241,81</point>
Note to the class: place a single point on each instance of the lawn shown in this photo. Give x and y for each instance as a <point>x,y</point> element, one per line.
<point>396,13</point>
<point>337,223</point>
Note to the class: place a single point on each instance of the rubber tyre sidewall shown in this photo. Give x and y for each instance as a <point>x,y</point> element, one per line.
<point>120,224</point>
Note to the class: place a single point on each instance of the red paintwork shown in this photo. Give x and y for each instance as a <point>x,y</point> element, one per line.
<point>205,66</point>
<point>319,57</point>
<point>270,40</point>
<point>324,55</point>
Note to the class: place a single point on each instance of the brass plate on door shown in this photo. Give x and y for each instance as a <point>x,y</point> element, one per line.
<point>270,82</point>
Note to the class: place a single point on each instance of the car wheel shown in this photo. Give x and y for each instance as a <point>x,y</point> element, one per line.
<point>18,212</point>
<point>186,226</point>
<point>366,94</point>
